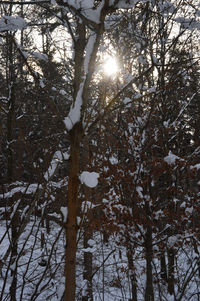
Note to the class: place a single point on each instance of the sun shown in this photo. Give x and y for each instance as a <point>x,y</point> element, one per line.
<point>110,66</point>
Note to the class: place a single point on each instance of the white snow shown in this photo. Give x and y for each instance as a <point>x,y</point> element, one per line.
<point>75,111</point>
<point>12,23</point>
<point>139,190</point>
<point>64,211</point>
<point>53,2</point>
<point>25,53</point>
<point>78,220</point>
<point>189,210</point>
<point>172,240</point>
<point>128,78</point>
<point>127,4</point>
<point>158,214</point>
<point>87,9</point>
<point>155,60</point>
<point>197,166</point>
<point>142,59</point>
<point>62,92</point>
<point>113,160</point>
<point>74,115</point>
<point>58,157</point>
<point>152,90</point>
<point>166,123</point>
<point>13,266</point>
<point>91,242</point>
<point>183,205</point>
<point>171,158</point>
<point>127,102</point>
<point>27,190</point>
<point>90,179</point>
<point>42,85</point>
<point>89,250</point>
<point>139,95</point>
<point>14,209</point>
<point>40,56</point>
<point>89,50</point>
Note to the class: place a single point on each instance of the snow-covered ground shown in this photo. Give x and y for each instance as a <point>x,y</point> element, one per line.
<point>40,262</point>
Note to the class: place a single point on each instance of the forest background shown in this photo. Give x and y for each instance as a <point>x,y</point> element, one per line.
<point>99,150</point>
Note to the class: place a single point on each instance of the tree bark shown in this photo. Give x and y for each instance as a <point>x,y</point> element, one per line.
<point>72,204</point>
<point>11,108</point>
<point>88,231</point>
<point>171,256</point>
<point>132,274</point>
<point>149,293</point>
<point>87,275</point>
<point>14,234</point>
<point>163,267</point>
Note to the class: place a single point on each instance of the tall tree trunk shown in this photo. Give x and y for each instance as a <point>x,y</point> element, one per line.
<point>149,293</point>
<point>163,267</point>
<point>88,231</point>
<point>76,136</point>
<point>72,204</point>
<point>132,274</point>
<point>11,108</point>
<point>87,275</point>
<point>197,252</point>
<point>11,79</point>
<point>14,234</point>
<point>171,256</point>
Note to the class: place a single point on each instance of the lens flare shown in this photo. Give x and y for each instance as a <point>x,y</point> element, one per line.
<point>110,66</point>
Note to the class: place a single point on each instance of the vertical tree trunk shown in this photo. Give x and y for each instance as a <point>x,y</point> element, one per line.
<point>149,293</point>
<point>132,275</point>
<point>171,271</point>
<point>197,252</point>
<point>76,135</point>
<point>11,79</point>
<point>74,169</point>
<point>163,267</point>
<point>11,108</point>
<point>72,204</point>
<point>88,231</point>
<point>14,234</point>
<point>87,275</point>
